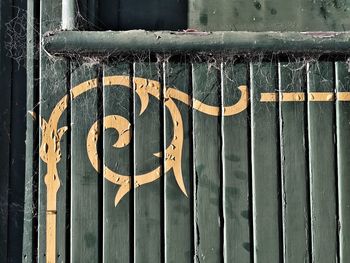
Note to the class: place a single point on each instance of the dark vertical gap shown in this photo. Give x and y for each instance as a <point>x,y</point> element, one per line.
<point>69,172</point>
<point>100,163</point>
<point>279,162</point>
<point>191,149</point>
<point>307,152</point>
<point>161,68</point>
<point>222,162</point>
<point>132,168</point>
<point>92,13</point>
<point>250,174</point>
<point>335,77</point>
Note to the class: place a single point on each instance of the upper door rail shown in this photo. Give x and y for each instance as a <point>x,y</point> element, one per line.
<point>102,42</point>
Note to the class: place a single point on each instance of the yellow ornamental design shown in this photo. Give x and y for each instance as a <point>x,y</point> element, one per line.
<point>51,136</point>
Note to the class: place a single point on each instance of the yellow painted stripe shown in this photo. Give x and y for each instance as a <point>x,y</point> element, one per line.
<point>300,96</point>
<point>293,96</point>
<point>343,96</point>
<point>321,96</point>
<point>285,96</point>
<point>269,97</point>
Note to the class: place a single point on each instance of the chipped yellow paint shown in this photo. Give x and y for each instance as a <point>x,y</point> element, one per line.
<point>33,114</point>
<point>283,96</point>
<point>321,96</point>
<point>269,97</point>
<point>343,96</point>
<point>300,96</point>
<point>51,136</point>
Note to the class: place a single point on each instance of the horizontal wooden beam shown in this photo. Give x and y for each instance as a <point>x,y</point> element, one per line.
<point>116,42</point>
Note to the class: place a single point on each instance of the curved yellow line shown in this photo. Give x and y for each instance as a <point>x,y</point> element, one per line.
<point>240,106</point>
<point>51,136</point>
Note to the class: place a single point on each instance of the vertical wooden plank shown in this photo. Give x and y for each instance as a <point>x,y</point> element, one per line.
<point>117,101</point>
<point>236,168</point>
<point>321,120</point>
<point>17,160</point>
<point>207,165</point>
<point>85,188</point>
<point>265,165</point>
<point>32,139</point>
<point>147,143</point>
<point>5,122</point>
<point>343,153</point>
<point>53,87</point>
<point>294,168</point>
<point>178,206</point>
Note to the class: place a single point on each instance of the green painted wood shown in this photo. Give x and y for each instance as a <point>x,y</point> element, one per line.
<point>178,224</point>
<point>268,15</point>
<point>265,165</point>
<point>17,164</point>
<point>117,220</point>
<point>5,126</point>
<point>236,185</point>
<point>147,198</point>
<point>294,165</point>
<point>217,42</point>
<point>322,165</point>
<point>53,86</point>
<point>207,162</point>
<point>32,137</point>
<point>85,240</point>
<point>343,152</point>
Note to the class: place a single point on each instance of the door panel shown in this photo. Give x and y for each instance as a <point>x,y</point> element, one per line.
<point>186,159</point>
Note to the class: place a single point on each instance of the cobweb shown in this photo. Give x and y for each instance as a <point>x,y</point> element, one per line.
<point>16,41</point>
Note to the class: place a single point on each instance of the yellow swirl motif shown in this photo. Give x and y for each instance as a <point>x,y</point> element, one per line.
<point>51,136</point>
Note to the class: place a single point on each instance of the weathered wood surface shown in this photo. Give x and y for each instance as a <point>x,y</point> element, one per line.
<point>207,165</point>
<point>117,220</point>
<point>262,184</point>
<point>237,173</point>
<point>148,198</point>
<point>342,78</point>
<point>294,167</point>
<point>266,181</point>
<point>322,163</point>
<point>178,213</point>
<point>32,138</point>
<point>272,15</point>
<point>53,86</point>
<point>86,183</point>
<point>5,128</point>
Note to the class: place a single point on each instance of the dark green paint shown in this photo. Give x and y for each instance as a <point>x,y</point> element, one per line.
<point>178,208</point>
<point>148,203</point>
<point>32,138</point>
<point>53,86</point>
<point>265,160</point>
<point>343,152</point>
<point>102,43</point>
<point>5,130</point>
<point>322,165</point>
<point>294,167</point>
<point>117,220</point>
<point>208,167</point>
<point>86,182</point>
<point>236,184</point>
<point>269,15</point>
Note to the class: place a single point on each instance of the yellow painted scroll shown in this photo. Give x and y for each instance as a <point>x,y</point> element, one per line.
<point>51,136</point>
